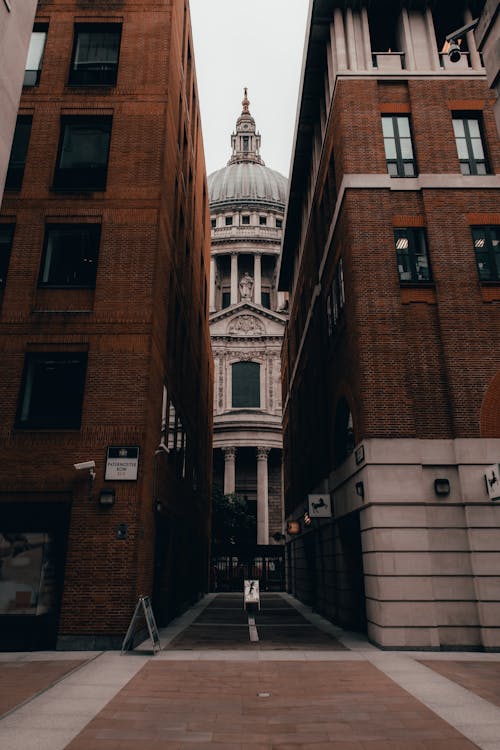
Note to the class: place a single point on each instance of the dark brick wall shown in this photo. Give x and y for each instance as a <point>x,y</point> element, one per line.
<point>144,325</point>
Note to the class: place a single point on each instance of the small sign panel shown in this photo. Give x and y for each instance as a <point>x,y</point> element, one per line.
<point>251,593</point>
<point>320,506</point>
<point>492,479</point>
<point>143,613</point>
<point>122,464</point>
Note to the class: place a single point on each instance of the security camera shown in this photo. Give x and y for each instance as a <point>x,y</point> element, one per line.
<point>454,53</point>
<point>85,465</point>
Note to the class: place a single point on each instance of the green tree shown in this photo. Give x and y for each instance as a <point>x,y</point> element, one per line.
<point>232,524</point>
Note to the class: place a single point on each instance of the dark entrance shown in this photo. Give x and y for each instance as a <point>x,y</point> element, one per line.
<point>229,569</point>
<point>33,538</point>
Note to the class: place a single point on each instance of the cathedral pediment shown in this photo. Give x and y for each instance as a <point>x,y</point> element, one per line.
<point>246,320</point>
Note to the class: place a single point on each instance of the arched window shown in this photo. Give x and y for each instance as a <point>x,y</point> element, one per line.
<point>344,433</point>
<point>246,384</point>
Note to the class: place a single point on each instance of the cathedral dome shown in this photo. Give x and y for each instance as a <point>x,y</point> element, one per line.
<point>246,181</point>
<point>246,177</point>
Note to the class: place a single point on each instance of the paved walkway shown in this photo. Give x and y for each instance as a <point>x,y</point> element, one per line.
<point>303,684</point>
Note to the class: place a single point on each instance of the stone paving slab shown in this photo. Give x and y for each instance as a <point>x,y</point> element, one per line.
<point>21,680</point>
<point>481,678</point>
<point>350,705</point>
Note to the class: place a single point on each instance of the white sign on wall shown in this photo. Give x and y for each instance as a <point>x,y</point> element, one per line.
<point>320,506</point>
<point>122,464</point>
<point>492,479</point>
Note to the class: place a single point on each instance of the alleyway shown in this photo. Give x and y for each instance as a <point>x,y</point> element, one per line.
<point>302,684</point>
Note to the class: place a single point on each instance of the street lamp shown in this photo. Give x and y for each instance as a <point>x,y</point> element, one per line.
<point>453,39</point>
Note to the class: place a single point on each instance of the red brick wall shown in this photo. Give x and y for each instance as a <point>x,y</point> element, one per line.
<point>129,321</point>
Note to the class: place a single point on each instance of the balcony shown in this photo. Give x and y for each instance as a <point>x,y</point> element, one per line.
<point>246,233</point>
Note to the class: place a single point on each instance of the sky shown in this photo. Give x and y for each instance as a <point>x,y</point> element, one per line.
<point>257,44</point>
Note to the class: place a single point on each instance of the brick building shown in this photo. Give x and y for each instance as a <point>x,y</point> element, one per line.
<point>106,354</point>
<point>391,369</point>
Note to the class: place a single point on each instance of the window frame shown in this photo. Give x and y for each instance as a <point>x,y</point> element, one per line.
<point>32,76</point>
<point>15,174</point>
<point>399,161</point>
<point>94,229</point>
<point>414,235</point>
<point>70,179</point>
<point>4,264</point>
<point>471,161</point>
<point>66,419</point>
<point>494,262</point>
<point>75,77</point>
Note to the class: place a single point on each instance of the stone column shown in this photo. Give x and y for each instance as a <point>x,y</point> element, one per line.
<point>340,40</point>
<point>431,39</point>
<point>213,273</point>
<point>351,40</point>
<point>262,497</point>
<point>234,278</point>
<point>229,470</point>
<point>257,279</point>
<point>475,58</point>
<point>367,47</point>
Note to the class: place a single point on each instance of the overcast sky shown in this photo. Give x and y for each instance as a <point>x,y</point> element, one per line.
<point>257,44</point>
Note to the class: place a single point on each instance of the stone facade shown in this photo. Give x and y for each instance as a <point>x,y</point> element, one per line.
<point>247,320</point>
<point>391,382</point>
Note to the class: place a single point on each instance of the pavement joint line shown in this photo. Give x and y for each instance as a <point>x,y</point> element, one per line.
<point>252,628</point>
<point>50,686</point>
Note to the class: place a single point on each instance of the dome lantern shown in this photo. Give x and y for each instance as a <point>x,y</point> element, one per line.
<point>245,141</point>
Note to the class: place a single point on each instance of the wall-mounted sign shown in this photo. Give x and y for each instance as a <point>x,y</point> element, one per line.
<point>122,464</point>
<point>492,479</point>
<point>320,506</point>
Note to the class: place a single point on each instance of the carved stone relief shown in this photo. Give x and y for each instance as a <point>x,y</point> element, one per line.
<point>245,325</point>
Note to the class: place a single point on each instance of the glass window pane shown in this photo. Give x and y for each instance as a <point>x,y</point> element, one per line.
<point>404,127</point>
<point>390,148</point>
<point>481,168</point>
<point>465,168</point>
<point>71,256</point>
<point>474,128</point>
<point>406,148</point>
<point>84,145</point>
<point>246,385</point>
<point>462,150</point>
<point>35,51</point>
<point>95,50</point>
<point>477,148</point>
<point>458,127</point>
<point>387,127</point>
<point>409,168</point>
<point>392,168</point>
<point>484,266</point>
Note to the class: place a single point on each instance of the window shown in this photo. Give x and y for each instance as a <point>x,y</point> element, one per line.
<point>6,236</point>
<point>82,162</point>
<point>398,146</point>
<point>70,255</point>
<point>246,142</point>
<point>246,385</point>
<point>226,299</point>
<point>212,223</point>
<point>95,54</point>
<point>266,300</point>
<point>262,221</point>
<point>335,301</point>
<point>245,219</point>
<point>279,223</point>
<point>52,391</point>
<point>412,256</point>
<point>487,249</point>
<point>229,221</point>
<point>17,161</point>
<point>35,55</point>
<point>470,145</point>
